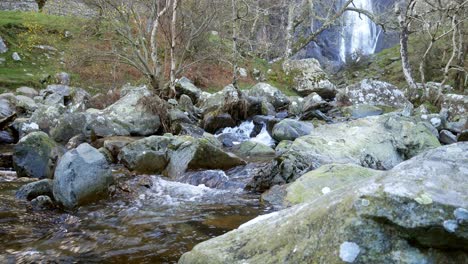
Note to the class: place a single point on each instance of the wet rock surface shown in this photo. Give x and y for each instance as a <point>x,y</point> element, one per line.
<point>402,212</point>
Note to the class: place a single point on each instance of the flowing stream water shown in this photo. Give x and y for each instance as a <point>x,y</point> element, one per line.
<point>146,219</point>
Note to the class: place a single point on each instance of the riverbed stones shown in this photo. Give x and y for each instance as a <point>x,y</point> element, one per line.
<point>290,129</point>
<point>34,189</point>
<point>269,94</point>
<point>373,92</point>
<point>377,142</point>
<point>185,86</point>
<point>36,156</point>
<point>174,155</point>
<point>83,175</point>
<point>375,220</point>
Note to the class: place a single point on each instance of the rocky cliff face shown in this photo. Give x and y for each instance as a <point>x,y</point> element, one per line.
<point>19,5</point>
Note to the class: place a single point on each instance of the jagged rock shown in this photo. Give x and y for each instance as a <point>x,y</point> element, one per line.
<point>309,77</point>
<point>395,216</point>
<point>376,93</point>
<point>47,117</point>
<point>80,100</point>
<point>83,175</point>
<point>173,156</point>
<point>212,123</point>
<point>103,126</point>
<point>36,156</point>
<point>270,94</point>
<point>290,129</point>
<point>132,115</point>
<point>185,86</point>
<point>378,142</point>
<point>68,126</point>
<point>314,106</point>
<point>456,104</point>
<point>34,189</point>
<point>446,137</point>
<point>27,91</point>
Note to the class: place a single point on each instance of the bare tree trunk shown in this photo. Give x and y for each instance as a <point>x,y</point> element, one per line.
<point>235,55</point>
<point>156,71</point>
<point>422,66</point>
<point>403,21</point>
<point>449,62</point>
<point>175,5</point>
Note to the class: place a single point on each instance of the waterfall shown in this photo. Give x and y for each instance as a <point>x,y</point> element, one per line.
<point>359,34</point>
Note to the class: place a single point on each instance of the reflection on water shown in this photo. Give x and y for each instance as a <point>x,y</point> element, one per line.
<point>155,222</point>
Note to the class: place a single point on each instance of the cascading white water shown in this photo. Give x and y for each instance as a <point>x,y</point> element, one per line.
<point>359,34</point>
<point>243,131</point>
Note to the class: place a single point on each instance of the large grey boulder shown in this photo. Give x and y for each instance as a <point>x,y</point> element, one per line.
<point>36,156</point>
<point>83,175</point>
<point>415,213</point>
<point>68,126</point>
<point>378,142</point>
<point>185,86</point>
<point>47,116</point>
<point>148,155</point>
<point>173,156</point>
<point>373,92</point>
<point>270,94</point>
<point>131,114</point>
<point>309,77</point>
<point>290,129</point>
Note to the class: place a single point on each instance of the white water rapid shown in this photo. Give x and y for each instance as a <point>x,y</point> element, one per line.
<point>359,34</point>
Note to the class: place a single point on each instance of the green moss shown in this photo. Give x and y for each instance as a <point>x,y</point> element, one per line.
<point>326,178</point>
<point>22,31</point>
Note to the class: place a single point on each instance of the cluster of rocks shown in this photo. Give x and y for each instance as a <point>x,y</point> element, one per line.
<point>350,150</point>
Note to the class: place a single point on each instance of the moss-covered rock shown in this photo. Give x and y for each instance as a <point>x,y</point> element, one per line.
<point>36,156</point>
<point>414,213</point>
<point>290,129</point>
<point>173,155</point>
<point>378,142</point>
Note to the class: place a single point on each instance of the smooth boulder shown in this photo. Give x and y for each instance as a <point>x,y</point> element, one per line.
<point>290,129</point>
<point>83,175</point>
